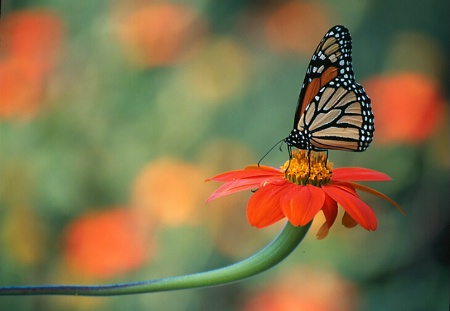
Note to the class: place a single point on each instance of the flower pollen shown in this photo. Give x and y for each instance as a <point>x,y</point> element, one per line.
<point>307,167</point>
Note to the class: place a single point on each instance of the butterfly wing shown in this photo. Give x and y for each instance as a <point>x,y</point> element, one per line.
<point>339,117</point>
<point>331,59</point>
<point>333,111</point>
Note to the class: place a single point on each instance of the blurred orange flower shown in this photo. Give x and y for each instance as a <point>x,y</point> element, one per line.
<point>305,185</point>
<point>31,43</point>
<point>296,27</point>
<point>305,289</point>
<point>106,243</point>
<point>408,107</point>
<point>35,35</point>
<point>20,91</point>
<point>160,34</point>
<point>170,192</point>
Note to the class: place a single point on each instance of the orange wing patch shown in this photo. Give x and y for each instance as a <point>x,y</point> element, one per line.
<point>316,84</point>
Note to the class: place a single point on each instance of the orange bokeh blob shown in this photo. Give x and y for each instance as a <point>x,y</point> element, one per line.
<point>160,34</point>
<point>105,243</point>
<point>305,289</point>
<point>20,90</point>
<point>35,35</point>
<point>296,27</point>
<point>408,107</point>
<point>31,44</point>
<point>170,192</point>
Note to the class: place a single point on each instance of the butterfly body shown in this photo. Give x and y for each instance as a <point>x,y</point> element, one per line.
<point>333,110</point>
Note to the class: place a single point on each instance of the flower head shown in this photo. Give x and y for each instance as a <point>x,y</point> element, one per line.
<point>303,186</point>
<point>160,33</point>
<point>106,243</point>
<point>406,91</point>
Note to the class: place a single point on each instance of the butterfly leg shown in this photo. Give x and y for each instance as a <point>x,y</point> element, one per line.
<point>309,164</point>
<point>289,148</point>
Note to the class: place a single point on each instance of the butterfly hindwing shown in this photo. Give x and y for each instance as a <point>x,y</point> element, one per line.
<point>339,117</point>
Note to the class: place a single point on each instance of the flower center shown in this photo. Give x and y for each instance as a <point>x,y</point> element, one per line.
<point>307,167</point>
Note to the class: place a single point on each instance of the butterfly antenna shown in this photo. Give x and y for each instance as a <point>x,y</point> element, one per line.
<point>280,142</point>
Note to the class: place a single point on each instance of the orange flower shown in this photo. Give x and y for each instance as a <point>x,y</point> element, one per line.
<point>105,243</point>
<point>31,44</point>
<point>160,34</point>
<point>319,293</point>
<point>20,91</point>
<point>34,36</point>
<point>409,107</point>
<point>296,27</point>
<point>161,195</point>
<point>300,190</point>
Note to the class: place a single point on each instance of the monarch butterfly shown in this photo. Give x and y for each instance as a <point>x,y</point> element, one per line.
<point>333,111</point>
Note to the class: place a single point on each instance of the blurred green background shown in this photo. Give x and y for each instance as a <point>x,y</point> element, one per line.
<point>113,113</point>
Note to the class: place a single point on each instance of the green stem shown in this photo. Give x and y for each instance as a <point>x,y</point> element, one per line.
<point>276,251</point>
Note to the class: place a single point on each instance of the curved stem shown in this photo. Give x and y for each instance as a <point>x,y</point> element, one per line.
<point>276,251</point>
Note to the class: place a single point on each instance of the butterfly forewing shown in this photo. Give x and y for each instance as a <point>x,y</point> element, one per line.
<point>333,111</point>
<point>331,59</point>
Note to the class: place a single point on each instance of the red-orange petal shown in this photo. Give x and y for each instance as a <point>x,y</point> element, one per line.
<point>323,231</point>
<point>252,177</point>
<point>300,204</point>
<point>242,185</point>
<point>348,221</point>
<point>252,172</point>
<point>330,210</point>
<point>358,174</point>
<point>353,205</point>
<point>264,206</point>
<point>378,194</point>
<point>232,187</point>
